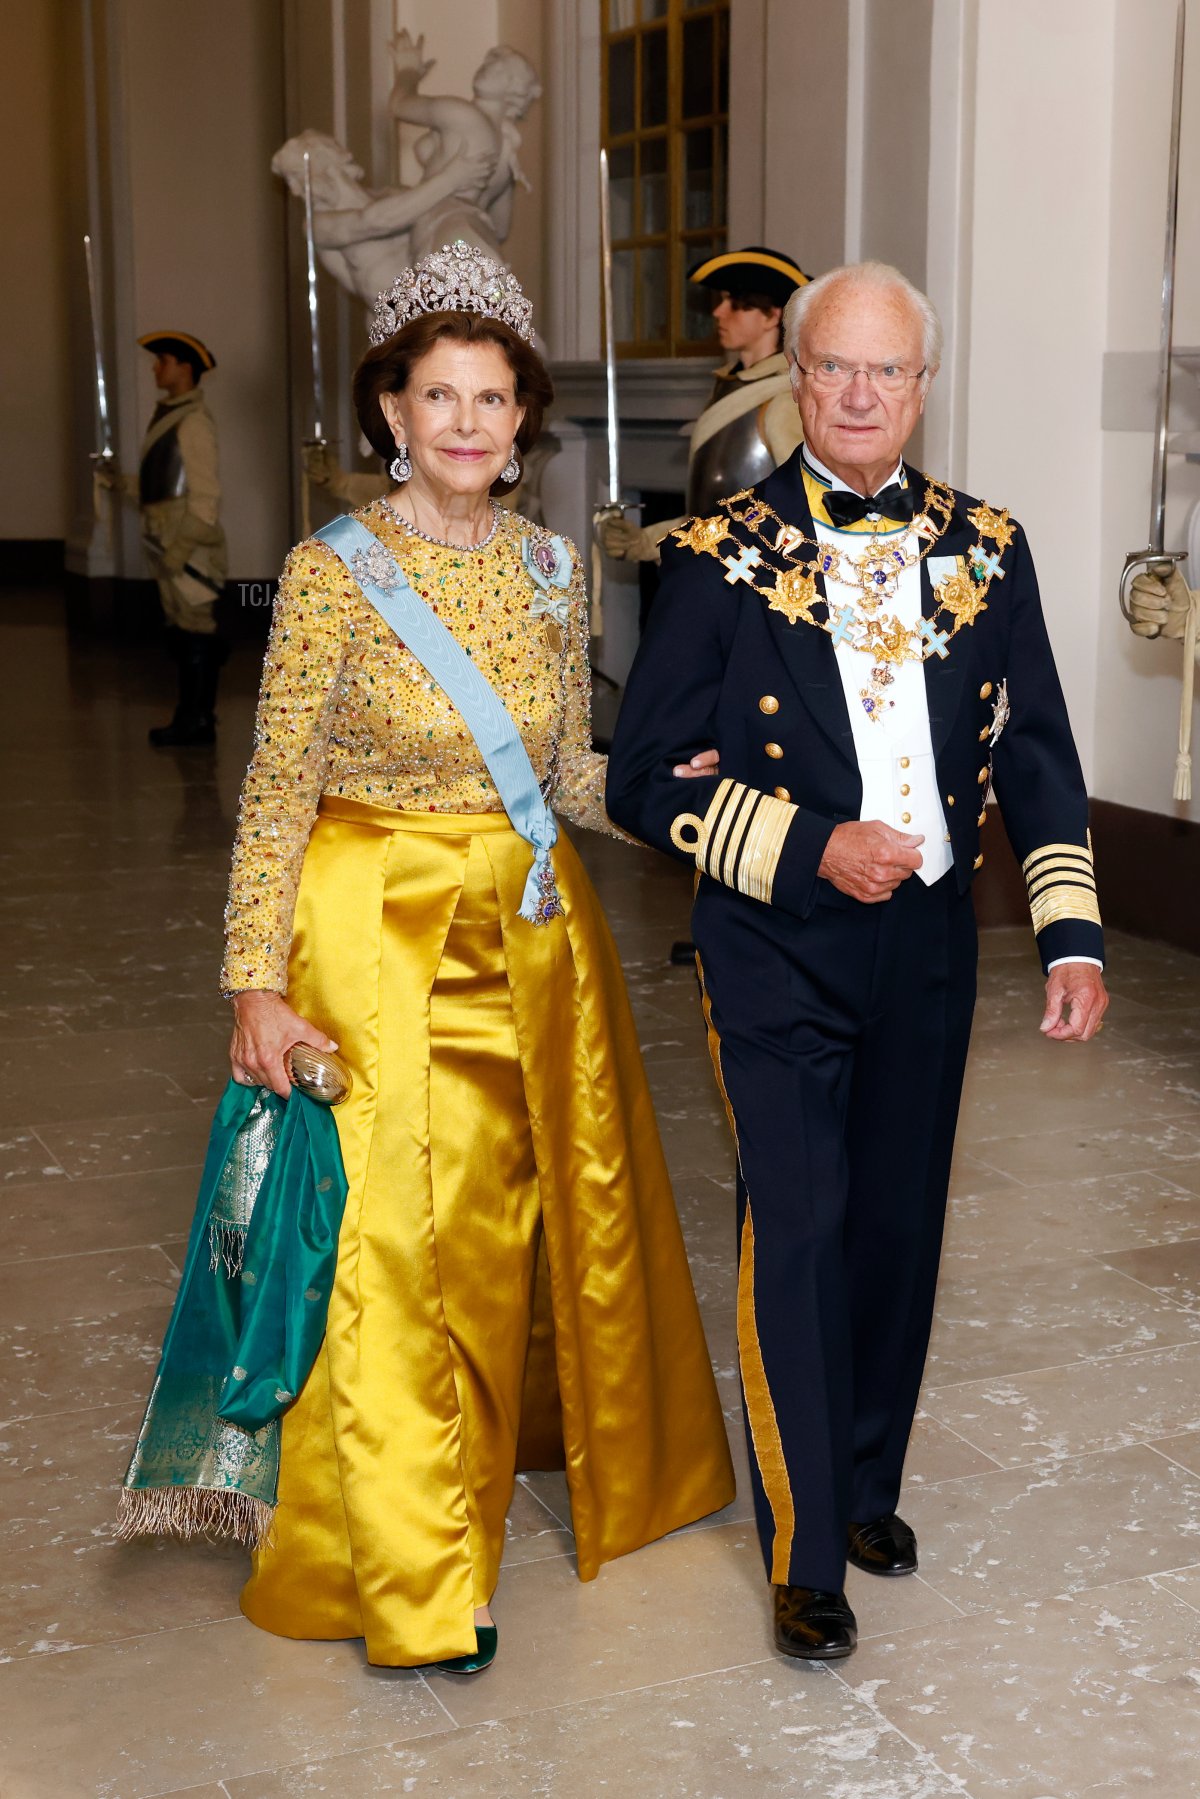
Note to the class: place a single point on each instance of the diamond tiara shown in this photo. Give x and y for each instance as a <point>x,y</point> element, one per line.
<point>456,278</point>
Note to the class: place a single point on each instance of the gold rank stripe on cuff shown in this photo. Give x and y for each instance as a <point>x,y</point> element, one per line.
<point>1061,881</point>
<point>740,838</point>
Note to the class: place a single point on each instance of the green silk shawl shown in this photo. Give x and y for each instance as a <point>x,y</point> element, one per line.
<point>248,1320</point>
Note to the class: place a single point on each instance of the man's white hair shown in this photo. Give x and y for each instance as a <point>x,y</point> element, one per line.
<point>864,274</point>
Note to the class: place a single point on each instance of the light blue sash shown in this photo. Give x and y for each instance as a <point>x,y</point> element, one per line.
<point>421,631</point>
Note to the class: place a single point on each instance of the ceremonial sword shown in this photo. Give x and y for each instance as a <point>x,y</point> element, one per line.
<point>1155,551</point>
<point>610,340</point>
<point>189,568</point>
<point>104,456</point>
<point>613,506</point>
<point>314,332</point>
<point>104,452</point>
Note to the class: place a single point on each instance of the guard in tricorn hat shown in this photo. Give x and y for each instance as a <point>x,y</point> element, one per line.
<point>750,425</point>
<point>178,490</point>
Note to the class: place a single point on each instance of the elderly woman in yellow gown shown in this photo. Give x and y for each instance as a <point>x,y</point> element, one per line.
<point>512,1289</point>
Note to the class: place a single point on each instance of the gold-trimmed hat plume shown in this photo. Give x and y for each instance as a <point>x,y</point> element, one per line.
<point>456,278</point>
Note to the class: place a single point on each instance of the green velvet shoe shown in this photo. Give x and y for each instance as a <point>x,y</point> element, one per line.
<point>486,1639</point>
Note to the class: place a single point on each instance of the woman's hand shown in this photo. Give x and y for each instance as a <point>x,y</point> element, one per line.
<point>264,1029</point>
<point>408,61</point>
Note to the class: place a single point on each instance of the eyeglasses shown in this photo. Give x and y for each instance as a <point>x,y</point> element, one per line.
<point>831,374</point>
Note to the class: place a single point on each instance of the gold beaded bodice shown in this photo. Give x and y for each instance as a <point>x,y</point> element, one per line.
<point>344,708</point>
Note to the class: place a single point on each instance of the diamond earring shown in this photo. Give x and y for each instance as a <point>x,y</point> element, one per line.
<point>400,468</point>
<point>511,472</point>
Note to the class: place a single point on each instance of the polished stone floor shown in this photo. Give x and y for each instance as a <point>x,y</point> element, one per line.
<point>1050,1646</point>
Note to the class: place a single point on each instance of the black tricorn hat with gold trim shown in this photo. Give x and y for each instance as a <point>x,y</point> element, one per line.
<point>183,346</point>
<point>754,270</point>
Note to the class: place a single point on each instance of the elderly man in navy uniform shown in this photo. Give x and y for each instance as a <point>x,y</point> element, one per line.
<point>178,491</point>
<point>865,647</point>
<point>750,424</point>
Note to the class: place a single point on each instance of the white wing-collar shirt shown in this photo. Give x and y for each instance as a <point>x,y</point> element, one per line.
<point>895,750</point>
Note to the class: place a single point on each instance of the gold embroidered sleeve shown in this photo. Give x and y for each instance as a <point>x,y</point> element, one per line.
<point>740,838</point>
<point>284,781</point>
<point>1061,882</point>
<point>579,786</point>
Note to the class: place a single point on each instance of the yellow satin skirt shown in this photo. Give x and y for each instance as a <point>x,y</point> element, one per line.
<point>512,1289</point>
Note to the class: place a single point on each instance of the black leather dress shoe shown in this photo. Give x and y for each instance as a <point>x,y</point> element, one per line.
<point>813,1626</point>
<point>883,1546</point>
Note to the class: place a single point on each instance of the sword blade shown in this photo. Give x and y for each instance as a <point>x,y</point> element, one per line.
<point>610,341</point>
<point>314,317</point>
<point>104,448</point>
<point>1158,476</point>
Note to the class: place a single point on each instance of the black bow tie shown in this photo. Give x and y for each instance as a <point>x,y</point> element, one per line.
<point>846,508</point>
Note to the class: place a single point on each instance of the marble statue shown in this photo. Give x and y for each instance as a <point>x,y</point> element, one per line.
<point>469,166</point>
<point>363,236</point>
<point>504,86</point>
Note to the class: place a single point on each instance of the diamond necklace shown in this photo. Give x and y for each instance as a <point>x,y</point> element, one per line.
<point>443,543</point>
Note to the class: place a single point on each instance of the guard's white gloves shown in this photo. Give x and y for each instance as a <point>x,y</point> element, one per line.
<point>624,541</point>
<point>1159,601</point>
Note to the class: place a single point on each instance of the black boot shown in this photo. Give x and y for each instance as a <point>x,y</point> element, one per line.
<point>195,722</point>
<point>214,652</point>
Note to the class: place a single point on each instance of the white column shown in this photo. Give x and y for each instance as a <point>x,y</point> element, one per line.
<point>570,170</point>
<point>951,213</point>
<point>856,125</point>
<point>747,120</point>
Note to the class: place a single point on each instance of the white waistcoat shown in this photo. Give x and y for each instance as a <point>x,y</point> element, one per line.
<point>895,753</point>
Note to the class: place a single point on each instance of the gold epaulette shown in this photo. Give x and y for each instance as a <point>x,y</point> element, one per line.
<point>1061,881</point>
<point>740,838</point>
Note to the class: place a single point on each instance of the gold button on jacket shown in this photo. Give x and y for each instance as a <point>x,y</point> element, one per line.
<point>768,703</point>
<point>985,692</point>
<point>982,776</point>
<point>774,751</point>
<point>978,862</point>
<point>783,793</point>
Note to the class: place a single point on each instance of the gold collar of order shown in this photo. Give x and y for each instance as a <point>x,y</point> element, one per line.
<point>872,574</point>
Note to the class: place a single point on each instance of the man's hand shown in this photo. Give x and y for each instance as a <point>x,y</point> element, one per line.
<point>868,860</point>
<point>708,762</point>
<point>320,464</point>
<point>1076,1001</point>
<point>624,541</point>
<point>172,559</point>
<point>471,170</point>
<point>1159,602</point>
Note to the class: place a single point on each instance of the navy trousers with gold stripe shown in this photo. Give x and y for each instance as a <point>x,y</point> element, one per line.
<point>840,1042</point>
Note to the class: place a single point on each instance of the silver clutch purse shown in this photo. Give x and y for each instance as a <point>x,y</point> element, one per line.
<point>319,1073</point>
